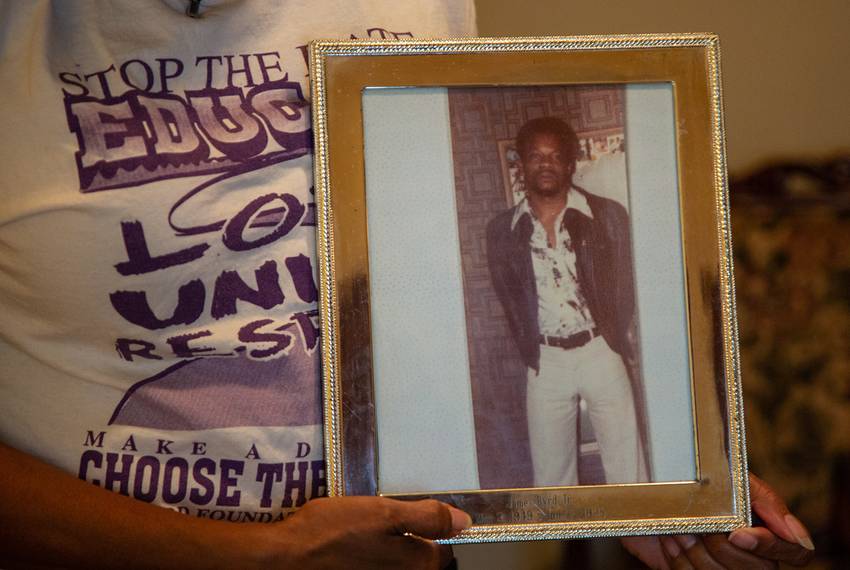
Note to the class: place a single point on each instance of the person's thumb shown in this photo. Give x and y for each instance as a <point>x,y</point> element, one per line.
<point>429,519</point>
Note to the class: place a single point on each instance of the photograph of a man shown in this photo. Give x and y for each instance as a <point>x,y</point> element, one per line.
<point>561,266</point>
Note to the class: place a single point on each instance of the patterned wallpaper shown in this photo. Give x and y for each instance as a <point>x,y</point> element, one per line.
<point>480,118</point>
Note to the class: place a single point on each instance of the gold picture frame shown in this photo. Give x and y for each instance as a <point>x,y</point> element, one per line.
<point>347,77</point>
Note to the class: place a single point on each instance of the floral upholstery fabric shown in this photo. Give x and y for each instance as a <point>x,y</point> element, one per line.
<point>791,235</point>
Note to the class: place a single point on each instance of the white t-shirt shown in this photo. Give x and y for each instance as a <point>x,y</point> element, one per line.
<point>158,334</point>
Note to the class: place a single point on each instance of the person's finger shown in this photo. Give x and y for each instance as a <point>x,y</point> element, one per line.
<point>648,549</point>
<point>446,556</point>
<point>675,555</point>
<point>733,557</point>
<point>768,505</point>
<point>427,519</point>
<point>696,553</point>
<point>762,542</point>
<point>420,553</point>
<point>681,563</point>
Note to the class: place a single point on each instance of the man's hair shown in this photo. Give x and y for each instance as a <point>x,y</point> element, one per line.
<point>554,126</point>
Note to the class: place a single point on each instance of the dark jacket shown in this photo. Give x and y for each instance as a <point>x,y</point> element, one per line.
<point>603,265</point>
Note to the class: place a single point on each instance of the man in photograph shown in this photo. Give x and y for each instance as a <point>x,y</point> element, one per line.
<point>560,261</point>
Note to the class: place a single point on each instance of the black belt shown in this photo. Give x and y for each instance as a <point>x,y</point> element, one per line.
<point>572,341</point>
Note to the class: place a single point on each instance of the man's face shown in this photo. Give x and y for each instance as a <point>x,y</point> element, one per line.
<point>546,168</point>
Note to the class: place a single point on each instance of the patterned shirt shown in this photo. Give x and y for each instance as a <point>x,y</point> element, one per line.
<point>561,307</point>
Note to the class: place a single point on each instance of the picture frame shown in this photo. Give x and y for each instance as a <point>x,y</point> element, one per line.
<point>434,384</point>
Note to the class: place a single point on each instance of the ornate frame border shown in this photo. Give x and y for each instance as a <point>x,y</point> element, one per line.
<point>344,477</point>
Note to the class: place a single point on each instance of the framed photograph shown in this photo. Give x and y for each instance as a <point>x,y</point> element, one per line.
<point>527,303</point>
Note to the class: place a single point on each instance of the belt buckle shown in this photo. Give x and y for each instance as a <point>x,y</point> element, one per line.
<point>580,339</point>
<point>575,340</point>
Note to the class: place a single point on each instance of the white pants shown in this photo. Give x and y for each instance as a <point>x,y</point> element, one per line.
<point>597,374</point>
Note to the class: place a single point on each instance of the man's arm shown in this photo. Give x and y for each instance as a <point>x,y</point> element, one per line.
<point>48,517</point>
<point>498,266</point>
